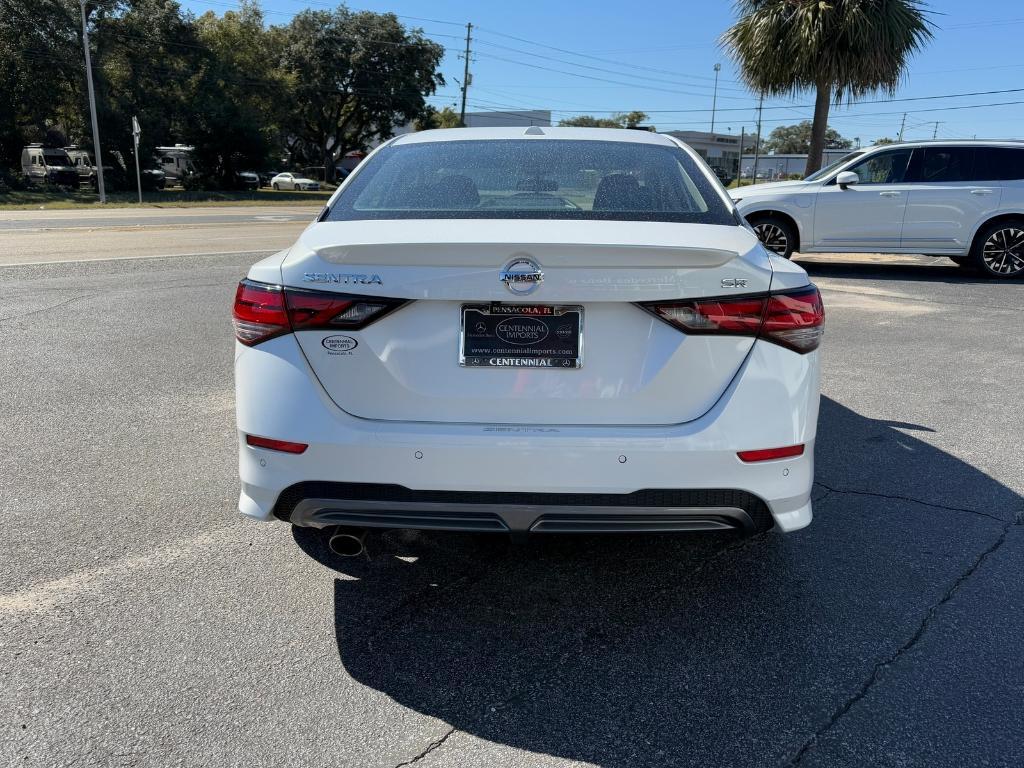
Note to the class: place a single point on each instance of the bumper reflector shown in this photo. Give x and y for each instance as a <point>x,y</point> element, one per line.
<point>767,454</point>
<point>275,445</point>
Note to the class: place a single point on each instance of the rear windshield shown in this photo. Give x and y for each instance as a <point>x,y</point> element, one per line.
<point>531,179</point>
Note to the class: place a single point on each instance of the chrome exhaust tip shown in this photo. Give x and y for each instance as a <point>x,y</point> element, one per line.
<point>347,542</point>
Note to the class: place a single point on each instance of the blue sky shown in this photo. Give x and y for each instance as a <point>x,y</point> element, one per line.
<point>660,55</point>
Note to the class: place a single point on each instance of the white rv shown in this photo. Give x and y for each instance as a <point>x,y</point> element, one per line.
<point>175,162</point>
<point>48,165</point>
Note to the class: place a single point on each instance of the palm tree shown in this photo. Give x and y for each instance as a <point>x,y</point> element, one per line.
<point>843,49</point>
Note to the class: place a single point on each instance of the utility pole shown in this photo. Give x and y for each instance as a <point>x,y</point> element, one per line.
<point>739,165</point>
<point>935,133</point>
<point>92,108</point>
<point>757,140</point>
<point>903,124</point>
<point>714,100</point>
<point>465,77</point>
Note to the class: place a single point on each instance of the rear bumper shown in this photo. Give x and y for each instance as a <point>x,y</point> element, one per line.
<point>519,478</point>
<point>319,505</point>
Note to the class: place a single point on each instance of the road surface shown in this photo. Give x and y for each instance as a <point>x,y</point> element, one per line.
<point>28,237</point>
<point>142,622</point>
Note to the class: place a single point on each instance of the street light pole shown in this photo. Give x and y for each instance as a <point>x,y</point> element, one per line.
<point>92,108</point>
<point>714,99</point>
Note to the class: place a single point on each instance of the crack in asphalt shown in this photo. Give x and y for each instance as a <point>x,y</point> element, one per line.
<point>567,648</point>
<point>626,626</point>
<point>876,672</point>
<point>58,305</point>
<point>911,499</point>
<point>158,286</point>
<point>430,748</point>
<point>472,575</point>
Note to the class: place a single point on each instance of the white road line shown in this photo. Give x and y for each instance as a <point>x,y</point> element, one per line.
<point>131,258</point>
<point>51,594</point>
<point>165,224</point>
<point>169,213</point>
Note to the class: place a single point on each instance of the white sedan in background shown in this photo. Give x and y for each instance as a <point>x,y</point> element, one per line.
<point>548,330</point>
<point>294,181</point>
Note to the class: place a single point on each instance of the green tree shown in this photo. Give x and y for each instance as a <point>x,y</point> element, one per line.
<point>146,62</point>
<point>589,121</point>
<point>41,74</point>
<point>841,49</point>
<point>630,119</point>
<point>438,118</point>
<point>356,76</point>
<point>796,139</point>
<point>241,99</point>
<point>883,141</point>
<point>617,120</point>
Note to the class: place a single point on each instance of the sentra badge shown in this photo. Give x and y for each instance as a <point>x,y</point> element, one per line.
<point>342,278</point>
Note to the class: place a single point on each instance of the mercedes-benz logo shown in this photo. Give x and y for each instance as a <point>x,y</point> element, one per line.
<point>522,276</point>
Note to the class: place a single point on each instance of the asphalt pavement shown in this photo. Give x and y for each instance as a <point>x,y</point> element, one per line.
<point>95,218</point>
<point>33,237</point>
<point>143,623</point>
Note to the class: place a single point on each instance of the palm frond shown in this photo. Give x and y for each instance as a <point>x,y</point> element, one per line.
<point>856,47</point>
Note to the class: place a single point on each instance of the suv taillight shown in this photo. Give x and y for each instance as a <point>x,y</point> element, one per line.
<point>263,311</point>
<point>794,319</point>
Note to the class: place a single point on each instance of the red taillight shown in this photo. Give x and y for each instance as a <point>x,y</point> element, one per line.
<point>726,316</point>
<point>263,311</point>
<point>259,312</point>
<point>275,445</point>
<point>320,310</point>
<point>794,319</point>
<point>767,454</point>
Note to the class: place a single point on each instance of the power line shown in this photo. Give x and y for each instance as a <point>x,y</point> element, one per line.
<point>247,82</point>
<point>587,56</point>
<point>591,77</point>
<point>646,78</point>
<point>840,115</point>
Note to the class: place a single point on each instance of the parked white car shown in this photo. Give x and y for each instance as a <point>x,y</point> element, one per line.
<point>960,199</point>
<point>294,181</point>
<point>543,330</point>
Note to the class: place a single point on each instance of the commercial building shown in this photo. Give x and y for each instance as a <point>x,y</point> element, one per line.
<point>496,119</point>
<point>783,166</point>
<point>510,119</point>
<point>719,150</point>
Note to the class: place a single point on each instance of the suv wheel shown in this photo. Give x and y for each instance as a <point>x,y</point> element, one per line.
<point>776,235</point>
<point>999,249</point>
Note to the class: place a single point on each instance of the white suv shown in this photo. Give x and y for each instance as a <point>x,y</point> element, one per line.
<point>550,330</point>
<point>960,199</point>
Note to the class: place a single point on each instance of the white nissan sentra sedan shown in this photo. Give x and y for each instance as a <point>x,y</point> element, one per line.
<point>538,330</point>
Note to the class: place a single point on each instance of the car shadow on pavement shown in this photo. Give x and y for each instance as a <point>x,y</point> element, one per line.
<point>689,650</point>
<point>942,271</point>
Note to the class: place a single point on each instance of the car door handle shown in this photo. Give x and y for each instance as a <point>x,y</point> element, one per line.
<point>890,194</point>
<point>981,191</point>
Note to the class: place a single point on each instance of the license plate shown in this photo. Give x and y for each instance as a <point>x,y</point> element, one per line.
<point>521,336</point>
